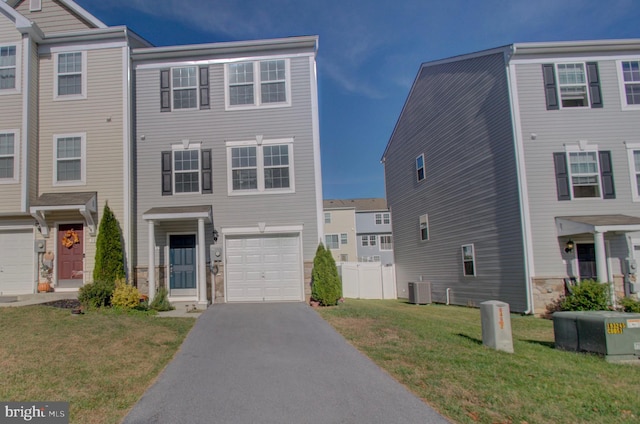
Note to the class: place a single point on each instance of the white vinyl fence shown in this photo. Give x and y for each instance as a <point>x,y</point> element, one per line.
<point>367,280</point>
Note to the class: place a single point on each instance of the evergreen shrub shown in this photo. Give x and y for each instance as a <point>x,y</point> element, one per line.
<point>97,294</point>
<point>160,302</point>
<point>326,286</point>
<point>109,264</point>
<point>125,295</point>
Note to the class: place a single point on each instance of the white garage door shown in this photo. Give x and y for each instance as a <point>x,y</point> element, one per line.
<point>16,262</point>
<point>265,268</point>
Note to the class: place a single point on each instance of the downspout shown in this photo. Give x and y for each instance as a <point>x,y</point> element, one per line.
<point>522,181</point>
<point>26,117</point>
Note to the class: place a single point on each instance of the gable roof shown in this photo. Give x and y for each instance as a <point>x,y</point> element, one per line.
<point>360,205</point>
<point>15,16</point>
<point>74,7</point>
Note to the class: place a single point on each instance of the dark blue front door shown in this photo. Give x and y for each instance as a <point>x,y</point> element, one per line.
<point>182,262</point>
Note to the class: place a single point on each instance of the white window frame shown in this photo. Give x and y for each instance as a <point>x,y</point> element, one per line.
<point>83,74</point>
<point>633,171</point>
<point>337,237</point>
<point>386,246</point>
<point>257,85</point>
<point>181,147</point>
<point>17,69</point>
<point>16,157</point>
<point>83,159</point>
<point>472,260</point>
<point>586,85</point>
<point>622,84</point>
<point>383,218</point>
<point>327,217</point>
<point>424,224</point>
<point>419,168</point>
<point>369,240</point>
<point>195,87</point>
<point>344,239</point>
<point>583,148</point>
<point>259,143</point>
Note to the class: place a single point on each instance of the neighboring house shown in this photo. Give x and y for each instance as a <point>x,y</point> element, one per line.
<point>359,229</point>
<point>510,170</point>
<point>228,162</point>
<point>65,141</point>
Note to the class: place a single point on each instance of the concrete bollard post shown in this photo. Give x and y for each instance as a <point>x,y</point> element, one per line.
<point>496,325</point>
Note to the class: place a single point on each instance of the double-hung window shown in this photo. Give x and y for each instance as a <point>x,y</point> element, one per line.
<point>70,159</point>
<point>585,177</point>
<point>186,169</point>
<point>327,217</point>
<point>332,241</point>
<point>633,151</point>
<point>420,167</point>
<point>184,88</point>
<point>572,85</point>
<point>264,167</point>
<point>424,227</point>
<point>572,81</point>
<point>584,172</point>
<point>630,87</point>
<point>257,84</point>
<point>71,76</point>
<point>383,218</point>
<point>386,243</point>
<point>8,68</point>
<point>468,260</point>
<point>344,238</point>
<point>8,153</point>
<point>369,241</point>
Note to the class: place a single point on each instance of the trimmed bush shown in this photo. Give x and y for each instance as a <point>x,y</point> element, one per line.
<point>587,295</point>
<point>161,303</point>
<point>109,252</point>
<point>630,305</point>
<point>97,294</point>
<point>326,286</point>
<point>125,295</point>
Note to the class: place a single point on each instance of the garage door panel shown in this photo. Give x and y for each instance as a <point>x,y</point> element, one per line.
<point>16,262</point>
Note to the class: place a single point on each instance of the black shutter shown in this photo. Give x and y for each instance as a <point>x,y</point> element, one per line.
<point>562,176</point>
<point>206,172</point>
<point>165,90</point>
<point>167,189</point>
<point>550,91</point>
<point>594,84</point>
<point>606,175</point>
<point>204,87</point>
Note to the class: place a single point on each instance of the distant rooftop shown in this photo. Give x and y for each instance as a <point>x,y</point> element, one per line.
<point>370,204</point>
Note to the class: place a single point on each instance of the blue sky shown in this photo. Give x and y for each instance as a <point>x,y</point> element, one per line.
<point>370,52</point>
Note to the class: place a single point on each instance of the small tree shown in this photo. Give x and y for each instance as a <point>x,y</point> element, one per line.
<point>109,252</point>
<point>326,284</point>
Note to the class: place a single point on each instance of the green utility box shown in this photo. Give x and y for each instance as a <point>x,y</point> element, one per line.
<point>616,335</point>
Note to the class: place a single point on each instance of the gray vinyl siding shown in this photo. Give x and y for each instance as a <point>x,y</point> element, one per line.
<point>366,225</point>
<point>214,127</point>
<point>458,115</point>
<point>54,17</point>
<point>608,127</point>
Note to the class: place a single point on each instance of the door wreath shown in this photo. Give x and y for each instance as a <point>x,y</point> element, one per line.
<point>70,238</point>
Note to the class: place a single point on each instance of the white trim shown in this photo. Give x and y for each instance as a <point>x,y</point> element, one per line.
<point>178,63</point>
<point>424,168</point>
<point>337,235</point>
<point>17,145</point>
<point>26,117</point>
<point>182,147</point>
<point>269,229</point>
<point>83,160</point>
<point>572,59</point>
<point>18,69</point>
<point>559,86</point>
<point>83,13</point>
<point>187,298</point>
<point>473,259</point>
<point>89,45</point>
<point>621,85</point>
<point>56,227</point>
<point>196,87</point>
<point>317,166</point>
<point>257,85</point>
<point>35,5</point>
<point>126,156</point>
<point>631,147</point>
<point>426,222</point>
<point>83,75</point>
<point>583,147</point>
<point>259,143</point>
<point>523,186</point>
<point>380,242</point>
<point>177,216</point>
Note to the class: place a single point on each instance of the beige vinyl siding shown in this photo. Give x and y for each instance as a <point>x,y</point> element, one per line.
<point>11,118</point>
<point>54,17</point>
<point>213,127</point>
<point>608,127</point>
<point>33,123</point>
<point>343,222</point>
<point>99,116</point>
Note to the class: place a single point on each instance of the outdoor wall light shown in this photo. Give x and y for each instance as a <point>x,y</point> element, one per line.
<point>568,248</point>
<point>215,235</point>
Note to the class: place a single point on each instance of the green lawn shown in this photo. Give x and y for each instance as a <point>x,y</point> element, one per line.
<point>99,362</point>
<point>436,351</point>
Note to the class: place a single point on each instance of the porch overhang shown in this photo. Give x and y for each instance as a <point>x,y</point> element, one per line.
<point>592,224</point>
<point>86,203</point>
<point>180,213</point>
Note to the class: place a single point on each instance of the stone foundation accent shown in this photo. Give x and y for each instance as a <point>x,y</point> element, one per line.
<point>308,267</point>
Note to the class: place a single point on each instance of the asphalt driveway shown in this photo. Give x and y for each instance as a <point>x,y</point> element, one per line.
<point>274,363</point>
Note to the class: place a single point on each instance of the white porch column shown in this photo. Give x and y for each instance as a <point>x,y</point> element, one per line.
<point>151,270</point>
<point>202,265</point>
<point>601,257</point>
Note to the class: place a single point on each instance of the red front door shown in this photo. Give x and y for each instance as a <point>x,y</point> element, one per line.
<point>70,252</point>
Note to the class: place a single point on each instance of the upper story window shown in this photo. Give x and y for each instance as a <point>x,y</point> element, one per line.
<point>584,172</point>
<point>420,167</point>
<point>8,152</point>
<point>630,72</point>
<point>70,159</point>
<point>576,85</point>
<point>186,169</point>
<point>383,218</point>
<point>8,68</point>
<point>257,84</point>
<point>468,260</point>
<point>424,227</point>
<point>71,76</point>
<point>184,87</point>
<point>260,168</point>
<point>327,217</point>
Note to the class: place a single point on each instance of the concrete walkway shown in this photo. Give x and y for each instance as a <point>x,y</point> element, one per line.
<point>274,363</point>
